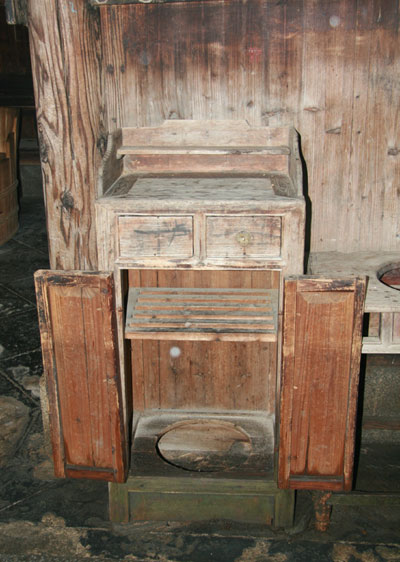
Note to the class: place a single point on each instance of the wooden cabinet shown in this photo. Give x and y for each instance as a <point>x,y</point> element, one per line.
<point>186,357</point>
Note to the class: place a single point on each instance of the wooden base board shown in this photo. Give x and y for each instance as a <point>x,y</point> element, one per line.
<point>199,499</point>
<point>157,490</point>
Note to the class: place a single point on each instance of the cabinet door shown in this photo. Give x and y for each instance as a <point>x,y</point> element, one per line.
<point>80,357</point>
<point>322,329</point>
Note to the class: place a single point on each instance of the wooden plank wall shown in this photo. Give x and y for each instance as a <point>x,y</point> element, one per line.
<point>331,69</point>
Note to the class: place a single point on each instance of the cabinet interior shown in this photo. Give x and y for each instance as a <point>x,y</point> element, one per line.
<point>183,377</point>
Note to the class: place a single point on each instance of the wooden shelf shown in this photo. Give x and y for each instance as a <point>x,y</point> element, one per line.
<point>202,314</point>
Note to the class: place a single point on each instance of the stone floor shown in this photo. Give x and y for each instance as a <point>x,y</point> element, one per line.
<point>42,518</point>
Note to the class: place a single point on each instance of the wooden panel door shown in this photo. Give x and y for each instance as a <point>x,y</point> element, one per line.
<point>319,385</point>
<point>80,357</point>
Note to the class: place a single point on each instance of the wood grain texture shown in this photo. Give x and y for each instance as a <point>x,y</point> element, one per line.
<point>64,39</point>
<point>155,236</point>
<point>202,314</point>
<point>155,427</point>
<point>208,135</point>
<point>200,222</point>
<point>210,147</point>
<point>9,119</point>
<point>331,71</point>
<point>77,322</point>
<point>245,164</point>
<point>243,236</point>
<point>211,375</point>
<point>319,386</point>
<point>382,300</point>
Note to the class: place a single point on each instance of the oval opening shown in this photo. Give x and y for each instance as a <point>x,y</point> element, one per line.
<point>204,445</point>
<point>390,276</point>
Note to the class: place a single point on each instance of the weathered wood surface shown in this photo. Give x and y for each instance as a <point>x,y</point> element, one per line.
<point>319,386</point>
<point>155,236</point>
<point>382,300</point>
<point>173,192</point>
<point>380,297</point>
<point>215,164</point>
<point>200,222</point>
<point>391,277</point>
<point>66,65</point>
<point>198,499</point>
<point>204,148</point>
<point>77,324</point>
<point>202,314</point>
<point>111,167</point>
<point>119,2</point>
<point>218,437</point>
<point>331,71</point>
<point>322,509</point>
<point>8,173</point>
<point>255,236</point>
<point>159,491</point>
<point>206,445</point>
<point>208,136</point>
<point>198,374</point>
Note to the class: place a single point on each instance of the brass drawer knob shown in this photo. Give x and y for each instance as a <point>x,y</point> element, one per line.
<point>243,238</point>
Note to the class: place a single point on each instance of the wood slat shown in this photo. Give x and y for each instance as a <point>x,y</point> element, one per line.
<point>232,134</point>
<point>199,313</point>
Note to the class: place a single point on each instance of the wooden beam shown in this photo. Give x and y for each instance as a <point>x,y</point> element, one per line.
<point>66,64</point>
<point>122,2</point>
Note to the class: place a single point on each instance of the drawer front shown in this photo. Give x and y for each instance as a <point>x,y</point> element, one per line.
<point>155,236</point>
<point>238,237</point>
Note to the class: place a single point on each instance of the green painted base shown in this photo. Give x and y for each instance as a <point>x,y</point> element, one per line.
<point>198,499</point>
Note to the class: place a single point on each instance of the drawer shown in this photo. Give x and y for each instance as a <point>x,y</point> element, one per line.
<point>155,236</point>
<point>238,237</point>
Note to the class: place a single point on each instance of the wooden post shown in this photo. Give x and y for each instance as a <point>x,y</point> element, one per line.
<point>66,63</point>
<point>322,509</point>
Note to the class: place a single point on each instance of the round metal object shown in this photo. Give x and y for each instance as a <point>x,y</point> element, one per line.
<point>243,238</point>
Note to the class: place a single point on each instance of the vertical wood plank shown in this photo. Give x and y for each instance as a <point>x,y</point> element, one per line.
<point>319,386</point>
<point>66,56</point>
<point>72,390</point>
<point>80,354</point>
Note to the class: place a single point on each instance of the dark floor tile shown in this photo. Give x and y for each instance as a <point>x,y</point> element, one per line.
<point>19,335</point>
<point>32,221</point>
<point>8,387</point>
<point>25,365</point>
<point>18,261</point>
<point>377,524</point>
<point>23,287</point>
<point>12,304</point>
<point>74,500</point>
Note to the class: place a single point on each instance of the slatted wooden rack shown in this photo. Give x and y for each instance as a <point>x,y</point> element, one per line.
<point>202,314</point>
